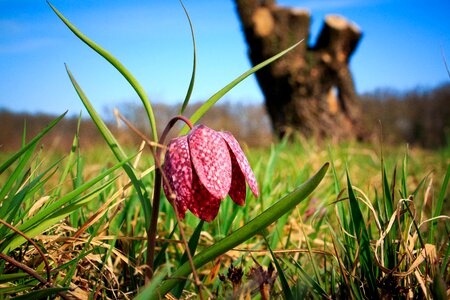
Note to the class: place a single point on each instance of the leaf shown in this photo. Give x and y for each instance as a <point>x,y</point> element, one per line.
<point>31,144</point>
<point>309,280</point>
<point>194,64</point>
<point>284,283</point>
<point>11,207</point>
<point>58,209</point>
<point>70,159</point>
<point>244,233</point>
<point>114,146</point>
<point>4,278</point>
<point>42,293</point>
<point>193,243</point>
<point>53,218</point>
<point>152,288</point>
<point>214,98</point>
<point>161,257</point>
<point>119,67</point>
<point>442,193</point>
<point>365,252</point>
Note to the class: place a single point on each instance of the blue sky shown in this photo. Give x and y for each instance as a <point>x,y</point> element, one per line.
<point>401,49</point>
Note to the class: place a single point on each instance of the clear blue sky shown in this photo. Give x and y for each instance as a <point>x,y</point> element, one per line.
<point>401,49</point>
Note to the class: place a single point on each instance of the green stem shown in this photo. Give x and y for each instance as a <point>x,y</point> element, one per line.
<point>151,233</point>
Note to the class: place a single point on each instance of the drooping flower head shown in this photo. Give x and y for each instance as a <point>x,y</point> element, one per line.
<point>202,168</point>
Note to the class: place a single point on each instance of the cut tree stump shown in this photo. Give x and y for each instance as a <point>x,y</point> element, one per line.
<point>311,88</point>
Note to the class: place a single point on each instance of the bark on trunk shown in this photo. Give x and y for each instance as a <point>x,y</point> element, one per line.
<point>310,89</point>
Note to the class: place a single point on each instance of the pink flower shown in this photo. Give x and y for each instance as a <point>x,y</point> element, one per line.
<point>202,168</point>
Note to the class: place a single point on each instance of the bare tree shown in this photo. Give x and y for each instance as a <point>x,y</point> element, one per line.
<point>311,88</point>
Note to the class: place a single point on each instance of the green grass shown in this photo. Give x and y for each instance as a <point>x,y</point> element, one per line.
<point>85,215</point>
<point>332,221</point>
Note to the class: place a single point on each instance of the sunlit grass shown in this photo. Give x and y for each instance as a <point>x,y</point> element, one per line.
<point>99,246</point>
<point>79,224</point>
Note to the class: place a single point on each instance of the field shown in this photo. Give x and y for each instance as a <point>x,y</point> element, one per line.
<point>332,220</point>
<point>73,224</point>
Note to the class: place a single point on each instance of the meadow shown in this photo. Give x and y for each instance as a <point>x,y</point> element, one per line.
<point>332,220</point>
<point>378,214</point>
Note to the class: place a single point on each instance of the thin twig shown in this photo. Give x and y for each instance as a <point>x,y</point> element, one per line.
<point>135,130</point>
<point>32,273</point>
<point>47,266</point>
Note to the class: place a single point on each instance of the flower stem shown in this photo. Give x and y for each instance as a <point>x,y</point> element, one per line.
<point>171,123</point>
<point>151,232</point>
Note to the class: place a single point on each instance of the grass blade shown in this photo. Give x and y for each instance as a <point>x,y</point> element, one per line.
<point>284,283</point>
<point>15,202</point>
<point>404,174</point>
<point>365,252</point>
<point>45,221</point>
<point>59,205</point>
<point>70,159</point>
<point>214,98</point>
<point>114,146</point>
<point>31,144</point>
<point>17,176</point>
<point>119,67</point>
<point>160,258</point>
<point>152,288</point>
<point>193,243</point>
<point>194,64</point>
<point>41,293</point>
<point>442,193</point>
<point>437,211</point>
<point>310,281</point>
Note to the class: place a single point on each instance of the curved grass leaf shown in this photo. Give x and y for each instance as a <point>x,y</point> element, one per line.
<point>114,146</point>
<point>12,207</point>
<point>57,208</point>
<point>194,64</point>
<point>51,219</point>
<point>31,144</point>
<point>284,283</point>
<point>442,193</point>
<point>14,181</point>
<point>214,98</point>
<point>152,289</point>
<point>161,257</point>
<point>44,293</point>
<point>244,233</point>
<point>71,158</point>
<point>193,243</point>
<point>5,278</point>
<point>119,67</point>
<point>309,280</point>
<point>365,252</point>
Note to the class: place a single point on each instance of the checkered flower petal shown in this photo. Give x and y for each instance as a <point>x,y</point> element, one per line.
<point>211,160</point>
<point>204,205</point>
<point>242,162</point>
<point>178,172</point>
<point>238,190</point>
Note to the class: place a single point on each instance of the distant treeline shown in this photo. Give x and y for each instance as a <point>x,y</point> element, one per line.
<point>419,117</point>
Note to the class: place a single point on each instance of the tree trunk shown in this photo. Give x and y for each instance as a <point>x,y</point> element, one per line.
<point>310,89</point>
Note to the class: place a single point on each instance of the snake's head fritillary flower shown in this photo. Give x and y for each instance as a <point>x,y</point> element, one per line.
<point>202,168</point>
